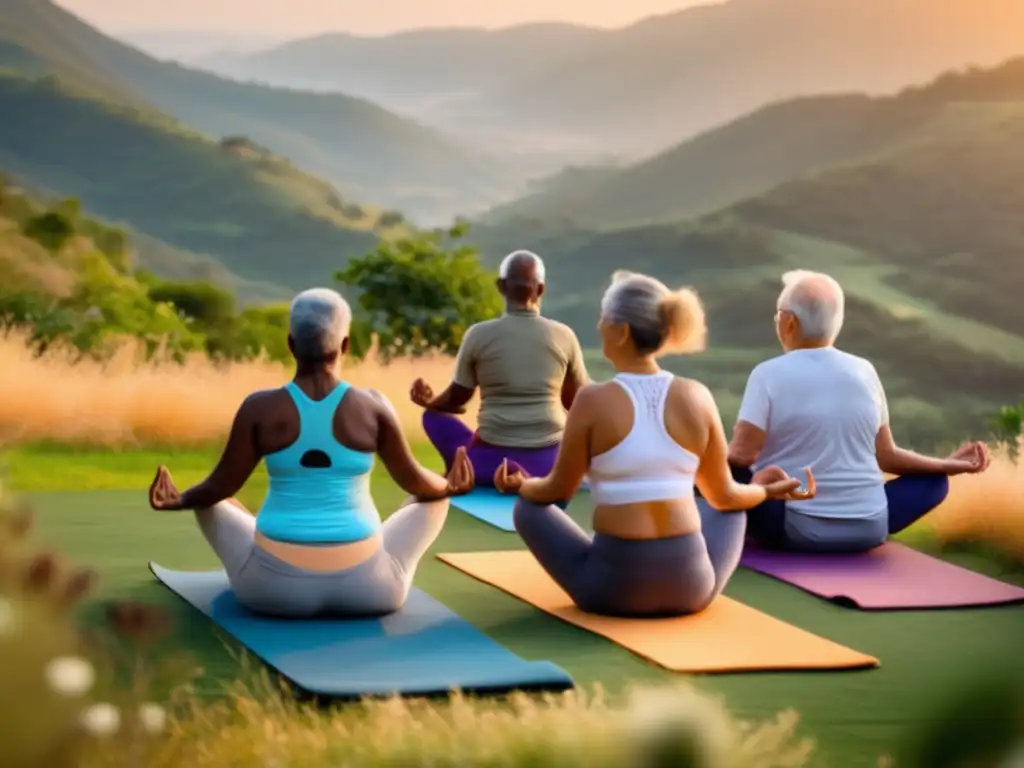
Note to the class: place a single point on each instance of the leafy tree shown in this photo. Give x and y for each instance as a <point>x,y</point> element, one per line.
<point>420,293</point>
<point>202,302</point>
<point>51,229</point>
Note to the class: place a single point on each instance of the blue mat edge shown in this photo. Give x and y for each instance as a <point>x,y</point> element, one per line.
<point>554,678</point>
<point>505,526</point>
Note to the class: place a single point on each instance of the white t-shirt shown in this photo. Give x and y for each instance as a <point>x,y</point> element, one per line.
<point>822,408</point>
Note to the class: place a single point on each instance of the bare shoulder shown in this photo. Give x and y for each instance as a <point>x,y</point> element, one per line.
<point>263,398</point>
<point>370,398</point>
<point>595,395</point>
<point>691,392</point>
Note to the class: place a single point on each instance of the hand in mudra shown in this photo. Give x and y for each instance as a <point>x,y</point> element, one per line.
<point>778,485</point>
<point>163,493</point>
<point>970,458</point>
<point>421,394</point>
<point>460,477</point>
<point>509,482</point>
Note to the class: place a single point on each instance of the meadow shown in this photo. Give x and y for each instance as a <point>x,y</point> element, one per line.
<point>82,440</point>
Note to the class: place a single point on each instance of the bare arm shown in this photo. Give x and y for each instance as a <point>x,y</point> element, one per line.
<point>452,400</point>
<point>714,478</point>
<point>751,428</point>
<point>746,444</point>
<point>573,456</point>
<point>897,461</point>
<point>575,375</point>
<point>464,383</point>
<point>236,465</point>
<point>397,457</point>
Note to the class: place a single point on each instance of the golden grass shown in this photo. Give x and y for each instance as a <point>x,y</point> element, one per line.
<point>126,401</point>
<point>670,725</point>
<point>988,507</point>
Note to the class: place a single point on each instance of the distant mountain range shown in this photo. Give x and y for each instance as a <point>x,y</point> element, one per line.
<point>758,151</point>
<point>190,45</point>
<point>364,150</point>
<point>652,84</point>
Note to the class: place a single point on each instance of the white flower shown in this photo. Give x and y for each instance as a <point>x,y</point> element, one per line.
<point>153,717</point>
<point>101,719</point>
<point>8,618</point>
<point>70,675</point>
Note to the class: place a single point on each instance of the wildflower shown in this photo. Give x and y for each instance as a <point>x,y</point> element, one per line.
<point>70,675</point>
<point>153,717</point>
<point>139,623</point>
<point>101,719</point>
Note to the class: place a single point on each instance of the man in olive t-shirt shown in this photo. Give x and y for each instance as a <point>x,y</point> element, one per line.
<point>528,369</point>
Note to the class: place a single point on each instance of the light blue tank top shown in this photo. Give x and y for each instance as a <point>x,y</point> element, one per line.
<point>319,489</point>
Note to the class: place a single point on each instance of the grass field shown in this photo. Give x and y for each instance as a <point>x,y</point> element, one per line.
<point>92,506</point>
<point>83,441</point>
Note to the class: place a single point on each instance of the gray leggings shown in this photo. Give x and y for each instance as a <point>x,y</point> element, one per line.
<point>619,577</point>
<point>375,587</point>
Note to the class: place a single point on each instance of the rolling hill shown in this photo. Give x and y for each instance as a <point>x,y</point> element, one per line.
<point>414,70</point>
<point>926,238</point>
<point>670,77</point>
<point>772,145</point>
<point>260,217</point>
<point>360,147</point>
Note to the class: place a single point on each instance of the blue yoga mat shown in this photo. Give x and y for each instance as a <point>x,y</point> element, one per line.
<point>422,649</point>
<point>488,506</point>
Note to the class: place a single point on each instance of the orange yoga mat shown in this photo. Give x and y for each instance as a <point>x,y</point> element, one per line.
<point>727,637</point>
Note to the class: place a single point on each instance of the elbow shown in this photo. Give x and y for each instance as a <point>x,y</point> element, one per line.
<point>888,462</point>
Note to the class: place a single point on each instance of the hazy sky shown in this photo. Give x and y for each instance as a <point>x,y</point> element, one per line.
<point>305,17</point>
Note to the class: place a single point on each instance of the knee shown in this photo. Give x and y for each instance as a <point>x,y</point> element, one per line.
<point>522,512</point>
<point>939,489</point>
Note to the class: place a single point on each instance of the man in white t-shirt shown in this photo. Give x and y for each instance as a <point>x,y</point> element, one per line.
<point>815,406</point>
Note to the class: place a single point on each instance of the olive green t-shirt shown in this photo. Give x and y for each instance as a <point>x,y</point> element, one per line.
<point>520,362</point>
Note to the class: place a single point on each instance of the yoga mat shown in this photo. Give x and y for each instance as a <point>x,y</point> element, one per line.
<point>727,637</point>
<point>488,506</point>
<point>422,649</point>
<point>889,577</point>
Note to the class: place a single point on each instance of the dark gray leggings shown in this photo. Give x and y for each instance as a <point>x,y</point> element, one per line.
<point>619,577</point>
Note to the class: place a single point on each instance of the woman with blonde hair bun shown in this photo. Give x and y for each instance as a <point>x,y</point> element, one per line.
<point>644,439</point>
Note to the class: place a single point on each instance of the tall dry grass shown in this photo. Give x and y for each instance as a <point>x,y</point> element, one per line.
<point>988,507</point>
<point>126,401</point>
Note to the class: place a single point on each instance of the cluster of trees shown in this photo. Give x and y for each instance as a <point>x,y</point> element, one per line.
<point>413,295</point>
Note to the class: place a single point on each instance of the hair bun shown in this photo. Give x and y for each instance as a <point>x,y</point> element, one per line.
<point>683,321</point>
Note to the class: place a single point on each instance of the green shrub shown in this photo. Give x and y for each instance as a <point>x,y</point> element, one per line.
<point>420,293</point>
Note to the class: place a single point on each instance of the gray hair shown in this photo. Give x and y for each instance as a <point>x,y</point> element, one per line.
<point>517,258</point>
<point>817,301</point>
<point>659,319</point>
<point>318,322</point>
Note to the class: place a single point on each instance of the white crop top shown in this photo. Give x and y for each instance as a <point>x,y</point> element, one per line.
<point>648,465</point>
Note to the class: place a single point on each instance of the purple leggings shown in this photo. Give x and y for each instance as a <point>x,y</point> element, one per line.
<point>447,433</point>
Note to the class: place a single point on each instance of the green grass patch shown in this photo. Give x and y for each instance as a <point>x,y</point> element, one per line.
<point>92,506</point>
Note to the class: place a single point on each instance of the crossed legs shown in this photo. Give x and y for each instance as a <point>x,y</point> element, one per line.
<point>377,586</point>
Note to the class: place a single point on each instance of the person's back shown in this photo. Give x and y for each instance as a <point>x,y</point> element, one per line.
<point>645,438</point>
<point>319,488</point>
<point>520,362</point>
<point>528,370</point>
<point>824,410</point>
<point>318,544</point>
<point>649,463</point>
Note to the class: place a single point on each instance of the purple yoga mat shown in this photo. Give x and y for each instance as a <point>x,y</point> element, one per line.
<point>891,576</point>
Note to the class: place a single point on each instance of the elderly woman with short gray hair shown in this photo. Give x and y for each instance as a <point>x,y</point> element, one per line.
<point>645,439</point>
<point>317,544</point>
